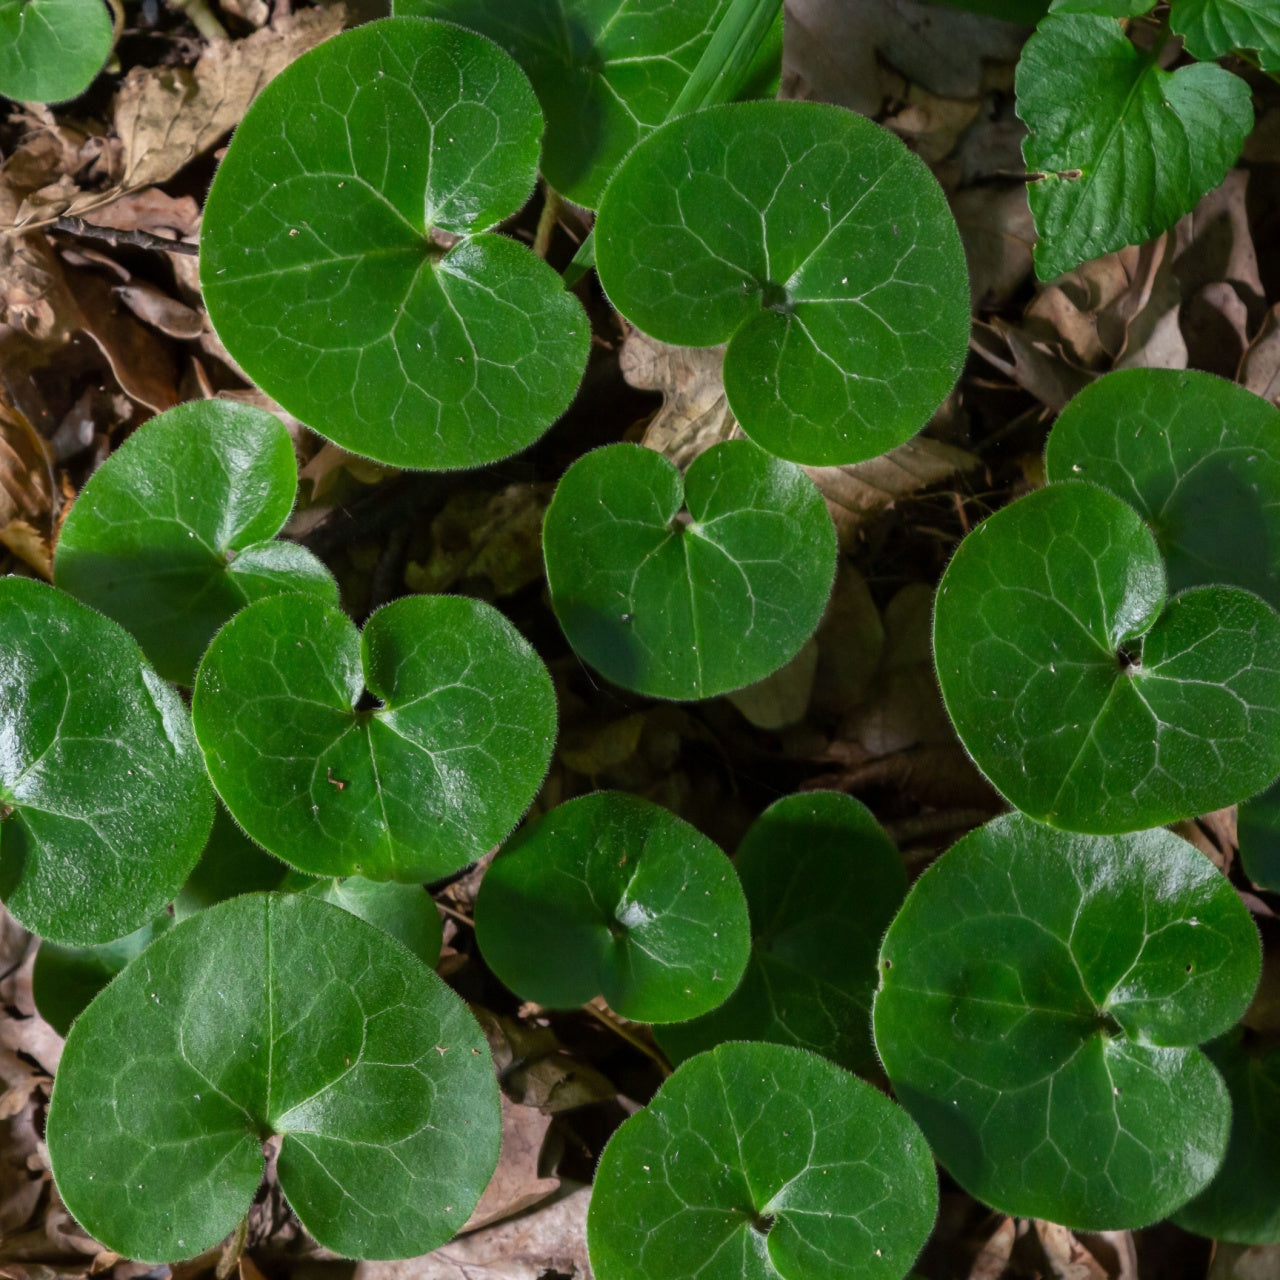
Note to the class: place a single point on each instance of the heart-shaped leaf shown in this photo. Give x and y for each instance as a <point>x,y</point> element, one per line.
<point>437,770</point>
<point>1086,699</point>
<point>1120,148</point>
<point>1242,1204</point>
<point>345,260</point>
<point>1041,996</point>
<point>404,911</point>
<point>611,894</point>
<point>1214,28</point>
<point>813,243</point>
<point>687,589</point>
<point>762,1160</point>
<point>104,799</point>
<point>274,1014</point>
<point>822,882</point>
<point>173,533</point>
<point>1258,830</point>
<point>1197,456</point>
<point>606,72</point>
<point>50,50</point>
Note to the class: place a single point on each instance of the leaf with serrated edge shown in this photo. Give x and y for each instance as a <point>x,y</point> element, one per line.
<point>1198,457</point>
<point>1041,999</point>
<point>346,261</point>
<point>687,588</point>
<point>51,50</point>
<point>408,789</point>
<point>822,882</point>
<point>612,894</point>
<point>1215,28</point>
<point>110,802</point>
<point>1122,149</point>
<point>818,247</point>
<point>274,1014</point>
<point>1086,699</point>
<point>762,1161</point>
<point>173,533</point>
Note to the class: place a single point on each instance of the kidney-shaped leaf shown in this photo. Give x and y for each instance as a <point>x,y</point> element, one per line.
<point>611,894</point>
<point>816,245</point>
<point>274,1014</point>
<point>409,782</point>
<point>1197,456</point>
<point>1041,999</point>
<point>687,588</point>
<point>1086,699</point>
<point>103,794</point>
<point>1214,28</point>
<point>759,1161</point>
<point>822,882</point>
<point>173,533</point>
<point>345,261</point>
<point>606,72</point>
<point>1242,1204</point>
<point>1121,148</point>
<point>50,50</point>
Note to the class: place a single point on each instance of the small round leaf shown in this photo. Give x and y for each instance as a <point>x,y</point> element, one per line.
<point>51,50</point>
<point>761,1160</point>
<point>822,882</point>
<point>231,864</point>
<point>103,794</point>
<point>1041,996</point>
<point>687,588</point>
<point>1086,699</point>
<point>1258,831</point>
<point>345,261</point>
<point>1198,457</point>
<point>411,788</point>
<point>813,243</point>
<point>172,534</point>
<point>405,911</point>
<point>611,894</point>
<point>274,1014</point>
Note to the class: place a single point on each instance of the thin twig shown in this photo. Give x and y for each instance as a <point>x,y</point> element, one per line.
<point>201,17</point>
<point>115,238</point>
<point>460,916</point>
<point>624,1032</point>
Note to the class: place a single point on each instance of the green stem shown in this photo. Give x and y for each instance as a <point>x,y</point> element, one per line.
<point>201,17</point>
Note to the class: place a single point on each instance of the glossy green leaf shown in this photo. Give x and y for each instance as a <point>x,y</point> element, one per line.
<point>1089,701</point>
<point>1214,28</point>
<point>606,72</point>
<point>612,895</point>
<point>822,882</point>
<point>1258,831</point>
<point>763,1162</point>
<point>405,911</point>
<point>274,1014</point>
<point>687,588</point>
<point>1242,1204</point>
<point>103,795</point>
<point>51,50</point>
<point>1197,456</point>
<point>1123,148</point>
<point>64,979</point>
<point>1041,999</point>
<point>813,243</point>
<point>345,257</point>
<point>409,782</point>
<point>1103,8</point>
<point>231,864</point>
<point>173,533</point>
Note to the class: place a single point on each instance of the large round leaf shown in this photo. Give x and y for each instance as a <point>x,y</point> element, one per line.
<point>103,795</point>
<point>274,1014</point>
<point>822,882</point>
<point>1242,1204</point>
<point>763,1162</point>
<point>173,533</point>
<point>1197,456</point>
<point>437,770</point>
<point>1041,996</point>
<point>611,894</point>
<point>51,50</point>
<point>687,588</point>
<point>344,261</point>
<point>606,72</point>
<point>818,247</point>
<point>1086,699</point>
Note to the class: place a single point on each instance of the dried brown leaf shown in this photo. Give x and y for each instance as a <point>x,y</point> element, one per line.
<point>26,470</point>
<point>993,1257</point>
<point>998,233</point>
<point>1260,369</point>
<point>780,699</point>
<point>158,309</point>
<point>516,1184</point>
<point>1068,1259</point>
<point>30,546</point>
